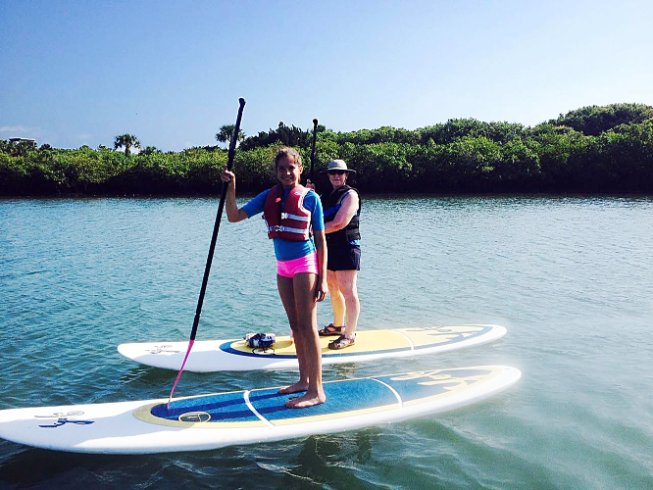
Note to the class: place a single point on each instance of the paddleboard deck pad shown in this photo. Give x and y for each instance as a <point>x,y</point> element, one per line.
<point>253,416</point>
<point>236,355</point>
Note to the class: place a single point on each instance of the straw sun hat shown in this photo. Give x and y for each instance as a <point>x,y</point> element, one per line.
<point>338,165</point>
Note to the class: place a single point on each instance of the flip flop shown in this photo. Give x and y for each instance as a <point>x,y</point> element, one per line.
<point>330,330</point>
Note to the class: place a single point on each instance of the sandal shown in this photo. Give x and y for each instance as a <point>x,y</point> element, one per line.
<point>330,330</point>
<point>342,342</point>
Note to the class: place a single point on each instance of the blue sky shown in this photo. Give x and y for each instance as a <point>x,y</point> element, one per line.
<point>77,72</point>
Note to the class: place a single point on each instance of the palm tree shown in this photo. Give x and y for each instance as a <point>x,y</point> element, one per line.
<point>126,141</point>
<point>224,135</point>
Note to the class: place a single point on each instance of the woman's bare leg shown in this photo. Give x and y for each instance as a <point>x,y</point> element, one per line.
<point>337,299</point>
<point>347,286</point>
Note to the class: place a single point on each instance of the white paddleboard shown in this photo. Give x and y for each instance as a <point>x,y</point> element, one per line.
<point>235,355</point>
<point>246,417</point>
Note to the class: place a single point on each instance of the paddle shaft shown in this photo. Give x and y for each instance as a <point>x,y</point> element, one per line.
<point>214,238</point>
<point>218,218</point>
<point>313,150</point>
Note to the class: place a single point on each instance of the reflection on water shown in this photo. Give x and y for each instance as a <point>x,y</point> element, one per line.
<point>325,454</point>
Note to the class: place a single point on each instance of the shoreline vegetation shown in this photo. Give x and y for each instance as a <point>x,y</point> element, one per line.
<point>595,149</point>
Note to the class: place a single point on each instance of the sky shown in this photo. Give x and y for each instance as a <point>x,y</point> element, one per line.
<point>170,72</point>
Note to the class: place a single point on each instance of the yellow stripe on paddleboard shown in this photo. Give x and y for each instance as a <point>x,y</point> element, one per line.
<point>370,341</point>
<point>366,341</point>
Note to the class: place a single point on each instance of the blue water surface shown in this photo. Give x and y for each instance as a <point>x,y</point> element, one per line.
<point>571,278</point>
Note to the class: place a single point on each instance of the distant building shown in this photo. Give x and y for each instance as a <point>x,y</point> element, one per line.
<point>28,141</point>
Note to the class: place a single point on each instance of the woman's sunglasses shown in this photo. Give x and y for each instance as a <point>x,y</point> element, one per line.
<point>336,172</point>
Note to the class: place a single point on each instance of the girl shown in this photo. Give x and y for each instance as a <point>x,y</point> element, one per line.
<point>292,212</point>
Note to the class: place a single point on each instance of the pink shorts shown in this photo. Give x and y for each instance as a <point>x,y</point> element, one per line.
<point>305,264</point>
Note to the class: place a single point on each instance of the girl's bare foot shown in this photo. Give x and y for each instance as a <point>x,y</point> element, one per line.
<point>294,388</point>
<point>307,400</point>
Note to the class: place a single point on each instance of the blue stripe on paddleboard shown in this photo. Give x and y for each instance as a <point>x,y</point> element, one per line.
<point>342,396</point>
<point>223,406</point>
<point>226,347</point>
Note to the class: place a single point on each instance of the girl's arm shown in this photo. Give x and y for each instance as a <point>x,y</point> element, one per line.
<point>234,214</point>
<point>321,250</point>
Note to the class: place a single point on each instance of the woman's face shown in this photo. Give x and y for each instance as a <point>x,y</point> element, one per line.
<point>338,178</point>
<point>288,171</point>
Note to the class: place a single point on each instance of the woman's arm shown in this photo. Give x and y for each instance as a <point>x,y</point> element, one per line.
<point>348,208</point>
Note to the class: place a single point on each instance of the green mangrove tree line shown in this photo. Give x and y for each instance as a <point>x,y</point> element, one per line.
<point>596,149</point>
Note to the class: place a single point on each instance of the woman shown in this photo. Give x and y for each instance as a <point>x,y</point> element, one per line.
<point>292,212</point>
<point>341,211</point>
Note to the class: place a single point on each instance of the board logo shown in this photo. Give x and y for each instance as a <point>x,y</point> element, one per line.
<point>455,333</point>
<point>442,377</point>
<point>63,419</point>
<point>162,349</point>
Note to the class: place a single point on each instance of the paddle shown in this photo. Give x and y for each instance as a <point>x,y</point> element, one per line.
<point>209,259</point>
<point>313,151</point>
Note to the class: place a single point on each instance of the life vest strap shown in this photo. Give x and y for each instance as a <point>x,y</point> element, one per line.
<point>278,228</point>
<point>295,217</point>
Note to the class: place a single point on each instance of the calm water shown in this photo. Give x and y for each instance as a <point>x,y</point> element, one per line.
<point>571,278</point>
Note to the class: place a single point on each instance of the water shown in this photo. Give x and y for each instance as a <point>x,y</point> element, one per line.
<point>571,279</point>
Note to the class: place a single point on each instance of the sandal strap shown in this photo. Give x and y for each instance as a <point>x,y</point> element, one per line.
<point>330,329</point>
<point>342,342</point>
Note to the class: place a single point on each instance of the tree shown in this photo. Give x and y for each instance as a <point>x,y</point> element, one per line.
<point>384,134</point>
<point>150,150</point>
<point>286,135</point>
<point>224,135</point>
<point>594,120</point>
<point>452,130</point>
<point>126,141</point>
